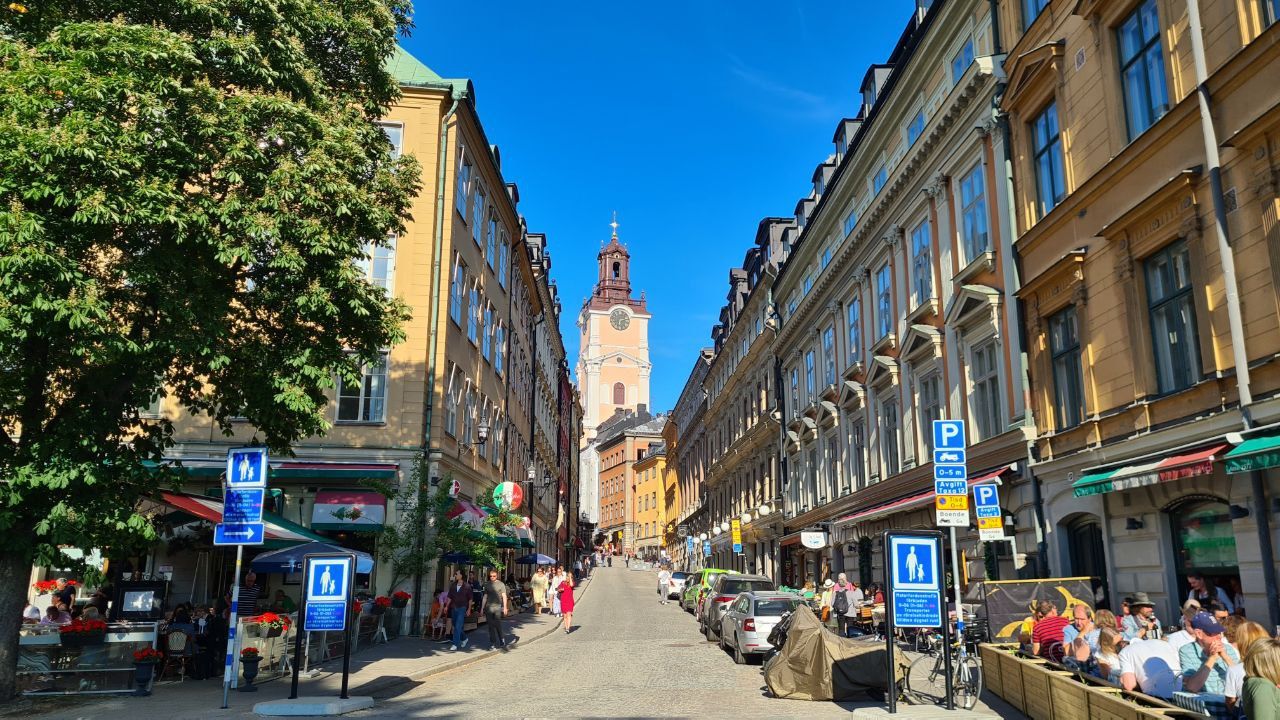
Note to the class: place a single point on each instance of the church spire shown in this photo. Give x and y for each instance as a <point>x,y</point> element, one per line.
<point>614,224</point>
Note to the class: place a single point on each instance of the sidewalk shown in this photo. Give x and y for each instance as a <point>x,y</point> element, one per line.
<point>385,670</point>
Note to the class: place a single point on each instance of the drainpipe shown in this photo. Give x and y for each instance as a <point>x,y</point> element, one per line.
<point>1262,509</point>
<point>781,404</point>
<point>433,337</point>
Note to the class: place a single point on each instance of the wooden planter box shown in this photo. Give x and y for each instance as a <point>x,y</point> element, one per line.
<point>1011,681</point>
<point>1037,703</point>
<point>1069,696</point>
<point>991,669</point>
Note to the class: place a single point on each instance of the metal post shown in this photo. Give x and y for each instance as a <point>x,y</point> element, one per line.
<point>888,628</point>
<point>955,580</point>
<point>299,634</point>
<point>346,641</point>
<point>227,671</point>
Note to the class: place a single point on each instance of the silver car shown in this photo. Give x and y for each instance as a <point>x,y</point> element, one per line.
<point>677,584</point>
<point>723,592</point>
<point>745,625</point>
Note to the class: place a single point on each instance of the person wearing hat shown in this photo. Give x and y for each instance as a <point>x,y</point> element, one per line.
<point>1141,622</point>
<point>828,595</point>
<point>1206,661</point>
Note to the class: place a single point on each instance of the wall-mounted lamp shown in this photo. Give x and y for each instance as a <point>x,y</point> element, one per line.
<point>1238,512</point>
<point>1133,523</point>
<point>1011,520</point>
<point>703,537</point>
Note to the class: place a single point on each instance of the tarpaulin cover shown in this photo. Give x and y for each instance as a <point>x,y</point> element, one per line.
<point>817,664</point>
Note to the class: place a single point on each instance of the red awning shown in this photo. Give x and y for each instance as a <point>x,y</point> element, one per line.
<point>917,500</point>
<point>468,513</point>
<point>210,510</point>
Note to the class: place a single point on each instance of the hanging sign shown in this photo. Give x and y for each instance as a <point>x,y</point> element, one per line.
<point>508,496</point>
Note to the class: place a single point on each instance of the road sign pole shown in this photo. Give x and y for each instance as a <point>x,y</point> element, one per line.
<point>955,579</point>
<point>298,649</point>
<point>227,671</point>
<point>888,630</point>
<point>346,642</point>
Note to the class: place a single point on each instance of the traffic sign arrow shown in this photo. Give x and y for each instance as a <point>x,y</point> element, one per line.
<point>238,533</point>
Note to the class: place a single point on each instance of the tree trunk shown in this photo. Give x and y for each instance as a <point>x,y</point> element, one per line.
<point>15,578</point>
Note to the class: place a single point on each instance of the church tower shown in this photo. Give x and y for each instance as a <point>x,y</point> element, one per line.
<point>613,361</point>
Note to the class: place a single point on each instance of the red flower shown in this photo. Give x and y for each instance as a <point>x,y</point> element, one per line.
<point>271,619</point>
<point>83,627</point>
<point>382,601</point>
<point>356,607</point>
<point>147,655</point>
<point>401,595</point>
<point>249,653</point>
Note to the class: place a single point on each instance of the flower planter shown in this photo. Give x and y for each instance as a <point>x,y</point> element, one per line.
<point>249,668</point>
<point>271,631</point>
<point>142,674</point>
<point>378,610</point>
<point>399,603</point>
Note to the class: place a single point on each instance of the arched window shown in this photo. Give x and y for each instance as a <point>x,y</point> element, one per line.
<point>617,270</point>
<point>619,394</point>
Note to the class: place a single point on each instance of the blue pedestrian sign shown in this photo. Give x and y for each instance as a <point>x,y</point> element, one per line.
<point>915,580</point>
<point>328,590</point>
<point>689,544</point>
<point>243,505</point>
<point>706,548</point>
<point>239,533</point>
<point>247,467</point>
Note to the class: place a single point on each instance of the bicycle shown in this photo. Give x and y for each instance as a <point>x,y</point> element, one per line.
<point>927,678</point>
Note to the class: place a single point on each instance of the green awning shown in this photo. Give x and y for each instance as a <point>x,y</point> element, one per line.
<point>506,541</point>
<point>1254,454</point>
<point>295,469</point>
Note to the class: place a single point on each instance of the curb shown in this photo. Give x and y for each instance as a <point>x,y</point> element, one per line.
<point>375,686</point>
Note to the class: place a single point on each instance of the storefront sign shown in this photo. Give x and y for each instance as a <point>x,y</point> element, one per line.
<point>735,531</point>
<point>813,540</point>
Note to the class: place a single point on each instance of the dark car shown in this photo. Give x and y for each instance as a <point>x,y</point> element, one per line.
<point>723,592</point>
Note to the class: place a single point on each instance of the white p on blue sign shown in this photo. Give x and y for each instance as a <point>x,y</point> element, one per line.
<point>948,435</point>
<point>328,579</point>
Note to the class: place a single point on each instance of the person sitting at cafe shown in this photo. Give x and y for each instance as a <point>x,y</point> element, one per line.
<point>55,616</point>
<point>1081,624</point>
<point>65,593</point>
<point>1184,635</point>
<point>90,613</point>
<point>1107,657</point>
<point>283,603</point>
<point>1261,696</point>
<point>1219,611</point>
<point>1242,636</point>
<point>1206,661</point>
<point>1141,622</point>
<point>1151,666</point>
<point>30,615</point>
<point>1046,635</point>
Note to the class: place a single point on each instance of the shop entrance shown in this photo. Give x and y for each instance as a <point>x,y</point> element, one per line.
<point>1086,554</point>
<point>1204,542</point>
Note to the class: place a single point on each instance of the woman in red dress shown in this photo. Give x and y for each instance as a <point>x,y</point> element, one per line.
<point>565,589</point>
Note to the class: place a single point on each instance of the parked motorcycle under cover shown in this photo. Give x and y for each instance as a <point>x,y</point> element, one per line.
<point>817,664</point>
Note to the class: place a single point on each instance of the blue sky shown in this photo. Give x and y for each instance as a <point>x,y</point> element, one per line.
<point>692,121</point>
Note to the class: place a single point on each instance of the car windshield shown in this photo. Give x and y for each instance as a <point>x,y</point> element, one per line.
<point>710,579</point>
<point>679,575</point>
<point>733,586</point>
<point>774,607</point>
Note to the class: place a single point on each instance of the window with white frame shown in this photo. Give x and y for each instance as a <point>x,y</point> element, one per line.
<point>973,213</point>
<point>491,239</point>
<point>451,403</point>
<point>854,315</point>
<point>468,416</point>
<point>810,376</point>
<point>1031,10</point>
<point>473,314</point>
<point>795,392</point>
<point>499,347</point>
<point>829,355</point>
<point>793,302</point>
<point>153,410</point>
<point>884,301</point>
<point>365,401</point>
<point>832,489</point>
<point>808,281</point>
<point>379,263</point>
<point>857,454</point>
<point>1273,11</point>
<point>961,61</point>
<point>826,256</point>
<point>879,179</point>
<point>1173,318</point>
<point>851,218</point>
<point>1046,146</point>
<point>921,267</point>
<point>486,337</point>
<point>478,212</point>
<point>503,258</point>
<point>395,135</point>
<point>890,432</point>
<point>984,369</point>
<point>1064,351</point>
<point>930,406</point>
<point>812,474</point>
<point>462,189</point>
<point>915,128</point>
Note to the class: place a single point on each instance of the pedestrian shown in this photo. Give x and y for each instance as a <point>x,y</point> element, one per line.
<point>664,585</point>
<point>626,559</point>
<point>249,594</point>
<point>460,600</point>
<point>495,609</point>
<point>538,585</point>
<point>555,590</point>
<point>1204,592</point>
<point>577,570</point>
<point>845,603</point>
<point>565,591</point>
<point>611,559</point>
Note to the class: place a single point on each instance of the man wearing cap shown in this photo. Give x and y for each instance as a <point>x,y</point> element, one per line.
<point>1205,661</point>
<point>1141,622</point>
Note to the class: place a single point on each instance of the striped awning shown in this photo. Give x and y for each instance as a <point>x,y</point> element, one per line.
<point>355,510</point>
<point>916,501</point>
<point>1127,477</point>
<point>210,509</point>
<point>468,513</point>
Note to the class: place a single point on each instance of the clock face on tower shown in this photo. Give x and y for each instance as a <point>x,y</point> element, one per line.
<point>619,319</point>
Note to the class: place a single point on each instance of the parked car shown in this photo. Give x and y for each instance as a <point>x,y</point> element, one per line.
<point>723,592</point>
<point>697,587</point>
<point>677,584</point>
<point>750,618</point>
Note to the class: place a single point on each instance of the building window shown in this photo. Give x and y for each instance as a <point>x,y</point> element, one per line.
<point>451,408</point>
<point>473,314</point>
<point>793,302</point>
<point>829,355</point>
<point>503,259</point>
<point>833,466</point>
<point>1146,98</point>
<point>1273,11</point>
<point>810,377</point>
<point>380,263</point>
<point>812,498</point>
<point>826,257</point>
<point>986,390</point>
<point>1173,318</point>
<point>469,416</point>
<point>463,187</point>
<point>1051,184</point>
<point>961,61</point>
<point>884,301</point>
<point>795,392</point>
<point>930,406</point>
<point>855,330</point>
<point>491,239</point>
<point>851,217</point>
<point>367,400</point>
<point>486,329</point>
<point>477,211</point>
<point>1031,10</point>
<point>619,394</point>
<point>889,430</point>
<point>499,347</point>
<point>973,204</point>
<point>916,128</point>
<point>1064,349</point>
<point>879,179</point>
<point>153,410</point>
<point>857,454</point>
<point>808,282</point>
<point>921,268</point>
<point>395,135</point>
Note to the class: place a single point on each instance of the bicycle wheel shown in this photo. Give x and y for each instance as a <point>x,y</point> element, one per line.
<point>968,682</point>
<point>926,680</point>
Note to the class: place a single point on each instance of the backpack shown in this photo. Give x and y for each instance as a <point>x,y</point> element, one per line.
<point>841,602</point>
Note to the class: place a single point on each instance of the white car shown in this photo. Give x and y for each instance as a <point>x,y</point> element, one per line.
<point>748,620</point>
<point>678,580</point>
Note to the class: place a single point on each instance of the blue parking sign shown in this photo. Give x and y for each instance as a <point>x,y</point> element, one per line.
<point>948,435</point>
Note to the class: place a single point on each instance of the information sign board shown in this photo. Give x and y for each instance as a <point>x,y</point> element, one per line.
<point>915,579</point>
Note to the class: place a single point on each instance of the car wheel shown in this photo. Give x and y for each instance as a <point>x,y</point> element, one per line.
<point>738,657</point>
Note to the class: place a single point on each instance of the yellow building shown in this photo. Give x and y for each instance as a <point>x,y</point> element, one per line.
<point>1152,366</point>
<point>671,538</point>
<point>651,501</point>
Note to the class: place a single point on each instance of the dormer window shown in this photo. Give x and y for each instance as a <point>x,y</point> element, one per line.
<point>841,147</point>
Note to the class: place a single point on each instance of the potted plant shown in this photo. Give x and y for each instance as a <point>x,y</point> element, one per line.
<point>400,599</point>
<point>249,659</point>
<point>79,633</point>
<point>144,668</point>
<point>46,587</point>
<point>271,624</point>
<point>380,604</point>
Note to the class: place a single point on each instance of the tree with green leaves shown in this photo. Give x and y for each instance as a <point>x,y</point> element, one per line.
<point>187,192</point>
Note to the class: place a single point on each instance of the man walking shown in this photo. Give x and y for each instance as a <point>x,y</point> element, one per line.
<point>495,609</point>
<point>664,585</point>
<point>459,609</point>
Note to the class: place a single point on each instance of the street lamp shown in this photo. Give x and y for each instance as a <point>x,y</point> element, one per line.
<point>702,537</point>
<point>481,435</point>
<point>724,526</point>
<point>716,530</point>
<point>746,517</point>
